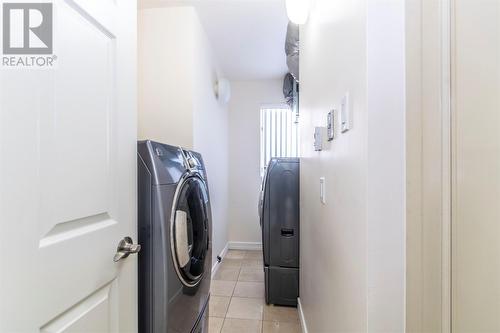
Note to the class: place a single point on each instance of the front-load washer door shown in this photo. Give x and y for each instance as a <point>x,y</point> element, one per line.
<point>189,230</point>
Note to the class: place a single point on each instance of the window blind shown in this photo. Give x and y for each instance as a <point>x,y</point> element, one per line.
<point>279,135</point>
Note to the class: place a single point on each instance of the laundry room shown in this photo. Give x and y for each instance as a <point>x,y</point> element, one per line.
<point>213,82</point>
<point>249,166</point>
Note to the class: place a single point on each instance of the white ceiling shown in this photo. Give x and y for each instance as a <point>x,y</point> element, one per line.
<point>248,36</point>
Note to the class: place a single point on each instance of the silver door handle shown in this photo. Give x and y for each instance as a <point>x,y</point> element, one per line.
<point>125,248</point>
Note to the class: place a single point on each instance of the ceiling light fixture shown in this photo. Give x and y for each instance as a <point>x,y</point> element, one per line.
<point>297,10</point>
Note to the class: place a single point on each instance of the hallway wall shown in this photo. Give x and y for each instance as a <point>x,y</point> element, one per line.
<point>244,155</point>
<point>333,245</point>
<point>352,247</point>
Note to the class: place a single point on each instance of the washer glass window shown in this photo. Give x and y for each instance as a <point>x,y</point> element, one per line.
<point>189,230</point>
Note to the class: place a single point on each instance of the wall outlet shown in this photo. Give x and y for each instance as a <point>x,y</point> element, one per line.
<point>345,114</point>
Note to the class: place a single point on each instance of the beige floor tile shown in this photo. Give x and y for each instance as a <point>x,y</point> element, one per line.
<point>252,263</point>
<point>215,324</point>
<point>235,254</point>
<point>251,274</point>
<point>253,255</point>
<point>249,289</point>
<point>281,313</point>
<point>242,326</point>
<point>218,306</point>
<point>280,327</point>
<point>245,308</point>
<point>230,265</point>
<point>227,273</point>
<point>222,288</point>
<point>232,262</point>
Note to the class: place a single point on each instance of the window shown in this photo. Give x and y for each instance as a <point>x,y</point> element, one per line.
<point>279,134</point>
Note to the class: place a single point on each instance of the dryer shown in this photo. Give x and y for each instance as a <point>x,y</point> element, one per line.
<point>279,221</point>
<point>174,230</point>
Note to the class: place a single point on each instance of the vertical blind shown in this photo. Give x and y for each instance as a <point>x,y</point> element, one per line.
<point>279,135</point>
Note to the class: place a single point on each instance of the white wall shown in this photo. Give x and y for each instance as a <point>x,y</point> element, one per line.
<point>177,104</point>
<point>333,236</point>
<point>352,248</point>
<point>165,72</point>
<point>386,193</point>
<point>244,155</point>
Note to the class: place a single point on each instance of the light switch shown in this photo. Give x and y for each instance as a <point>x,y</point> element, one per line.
<point>322,189</point>
<point>345,114</point>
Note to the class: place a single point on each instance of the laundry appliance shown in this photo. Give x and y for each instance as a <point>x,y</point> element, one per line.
<point>174,230</point>
<point>279,221</point>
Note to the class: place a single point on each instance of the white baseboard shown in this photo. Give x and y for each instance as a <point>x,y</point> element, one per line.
<point>222,254</point>
<point>255,246</point>
<point>302,319</point>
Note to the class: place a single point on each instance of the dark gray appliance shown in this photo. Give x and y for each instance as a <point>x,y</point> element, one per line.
<point>174,227</point>
<point>279,220</point>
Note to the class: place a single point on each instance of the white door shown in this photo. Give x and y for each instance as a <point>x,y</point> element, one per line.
<point>68,177</point>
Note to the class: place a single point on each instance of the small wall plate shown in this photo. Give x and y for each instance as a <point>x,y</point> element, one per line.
<point>318,138</point>
<point>330,125</point>
<point>322,190</point>
<point>345,114</point>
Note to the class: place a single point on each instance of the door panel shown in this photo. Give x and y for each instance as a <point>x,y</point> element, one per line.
<point>78,130</point>
<point>68,177</point>
<point>476,168</point>
<point>90,315</point>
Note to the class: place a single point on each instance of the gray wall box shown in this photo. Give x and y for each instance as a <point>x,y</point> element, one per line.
<point>279,219</point>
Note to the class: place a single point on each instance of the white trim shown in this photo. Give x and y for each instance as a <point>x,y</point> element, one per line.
<point>446,172</point>
<point>302,319</point>
<point>222,254</point>
<point>251,246</point>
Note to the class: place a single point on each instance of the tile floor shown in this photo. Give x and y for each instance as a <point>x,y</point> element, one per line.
<point>237,302</point>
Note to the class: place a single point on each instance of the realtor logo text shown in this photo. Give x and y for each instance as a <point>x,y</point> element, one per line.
<point>27,35</point>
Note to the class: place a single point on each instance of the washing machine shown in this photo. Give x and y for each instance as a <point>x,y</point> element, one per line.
<point>174,230</point>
